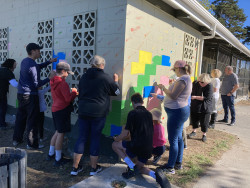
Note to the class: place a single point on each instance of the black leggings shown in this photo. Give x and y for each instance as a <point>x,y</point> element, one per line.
<point>202,118</point>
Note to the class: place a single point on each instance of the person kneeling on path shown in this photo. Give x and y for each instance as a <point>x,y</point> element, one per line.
<point>201,104</point>
<point>61,111</point>
<point>159,139</point>
<point>136,152</point>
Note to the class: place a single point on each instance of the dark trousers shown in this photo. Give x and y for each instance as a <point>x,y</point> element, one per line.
<point>90,127</point>
<point>213,118</point>
<point>228,102</point>
<point>3,110</point>
<point>40,125</point>
<point>27,115</point>
<point>158,151</point>
<point>202,119</point>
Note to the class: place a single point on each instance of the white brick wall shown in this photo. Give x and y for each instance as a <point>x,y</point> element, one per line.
<point>22,17</point>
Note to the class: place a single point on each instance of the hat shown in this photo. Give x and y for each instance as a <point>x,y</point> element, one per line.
<point>179,64</point>
<point>156,113</point>
<point>64,66</point>
<point>33,46</point>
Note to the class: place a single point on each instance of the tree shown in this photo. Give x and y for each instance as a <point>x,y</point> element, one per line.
<point>206,4</point>
<point>231,16</point>
<point>247,40</point>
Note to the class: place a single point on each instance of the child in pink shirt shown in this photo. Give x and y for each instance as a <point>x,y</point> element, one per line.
<point>159,139</point>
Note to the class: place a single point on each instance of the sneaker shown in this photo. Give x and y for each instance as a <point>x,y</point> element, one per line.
<point>178,166</point>
<point>50,157</point>
<point>192,134</point>
<point>223,121</point>
<point>16,143</point>
<point>94,171</point>
<point>43,139</point>
<point>204,138</point>
<point>40,146</point>
<point>211,126</point>
<point>169,170</point>
<point>161,178</point>
<point>62,161</point>
<point>129,173</point>
<point>185,147</point>
<point>75,171</point>
<point>231,124</point>
<point>156,159</point>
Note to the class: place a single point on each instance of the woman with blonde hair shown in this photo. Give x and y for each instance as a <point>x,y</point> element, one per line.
<point>215,74</point>
<point>201,104</point>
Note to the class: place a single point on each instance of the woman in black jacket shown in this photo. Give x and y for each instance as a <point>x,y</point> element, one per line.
<point>95,89</point>
<point>201,104</point>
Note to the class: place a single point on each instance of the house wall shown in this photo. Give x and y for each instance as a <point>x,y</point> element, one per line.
<point>26,19</point>
<point>162,39</point>
<point>139,41</point>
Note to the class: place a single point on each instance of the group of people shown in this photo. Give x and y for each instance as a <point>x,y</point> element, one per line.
<point>143,134</point>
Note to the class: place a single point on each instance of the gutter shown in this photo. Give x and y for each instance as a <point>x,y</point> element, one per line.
<point>202,17</point>
<point>202,45</point>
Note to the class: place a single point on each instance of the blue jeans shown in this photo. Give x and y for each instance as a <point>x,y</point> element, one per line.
<point>176,119</point>
<point>90,127</point>
<point>228,102</point>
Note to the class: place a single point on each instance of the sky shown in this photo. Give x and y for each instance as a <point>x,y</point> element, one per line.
<point>245,4</point>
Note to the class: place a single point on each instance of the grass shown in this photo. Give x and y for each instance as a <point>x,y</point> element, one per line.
<point>200,156</point>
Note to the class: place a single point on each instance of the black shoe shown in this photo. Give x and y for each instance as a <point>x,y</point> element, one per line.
<point>204,138</point>
<point>178,166</point>
<point>16,143</point>
<point>129,173</point>
<point>161,178</point>
<point>192,134</point>
<point>223,121</point>
<point>75,171</point>
<point>185,147</point>
<point>168,170</point>
<point>62,161</point>
<point>231,124</point>
<point>40,146</point>
<point>94,171</point>
<point>50,157</point>
<point>156,159</point>
<point>211,126</point>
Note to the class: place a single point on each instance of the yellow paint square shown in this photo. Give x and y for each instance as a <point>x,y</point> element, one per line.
<point>137,68</point>
<point>145,57</point>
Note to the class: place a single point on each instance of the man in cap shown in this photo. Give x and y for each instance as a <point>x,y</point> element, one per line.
<point>27,95</point>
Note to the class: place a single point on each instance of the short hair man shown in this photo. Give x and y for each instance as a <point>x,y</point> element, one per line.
<point>229,86</point>
<point>138,150</point>
<point>27,95</point>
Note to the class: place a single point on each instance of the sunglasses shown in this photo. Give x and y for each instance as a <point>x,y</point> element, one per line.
<point>201,82</point>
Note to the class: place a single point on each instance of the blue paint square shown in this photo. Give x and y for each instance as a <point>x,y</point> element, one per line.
<point>115,130</point>
<point>165,61</point>
<point>147,90</point>
<point>60,56</point>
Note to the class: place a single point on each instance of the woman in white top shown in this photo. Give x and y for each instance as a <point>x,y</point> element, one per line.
<point>215,74</point>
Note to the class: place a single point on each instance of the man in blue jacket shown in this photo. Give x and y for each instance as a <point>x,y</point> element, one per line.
<point>27,95</point>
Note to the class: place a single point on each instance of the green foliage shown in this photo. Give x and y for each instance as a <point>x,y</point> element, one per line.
<point>247,40</point>
<point>231,16</point>
<point>206,4</point>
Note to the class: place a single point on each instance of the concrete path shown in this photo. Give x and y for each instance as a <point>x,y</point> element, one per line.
<point>233,169</point>
<point>104,179</point>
